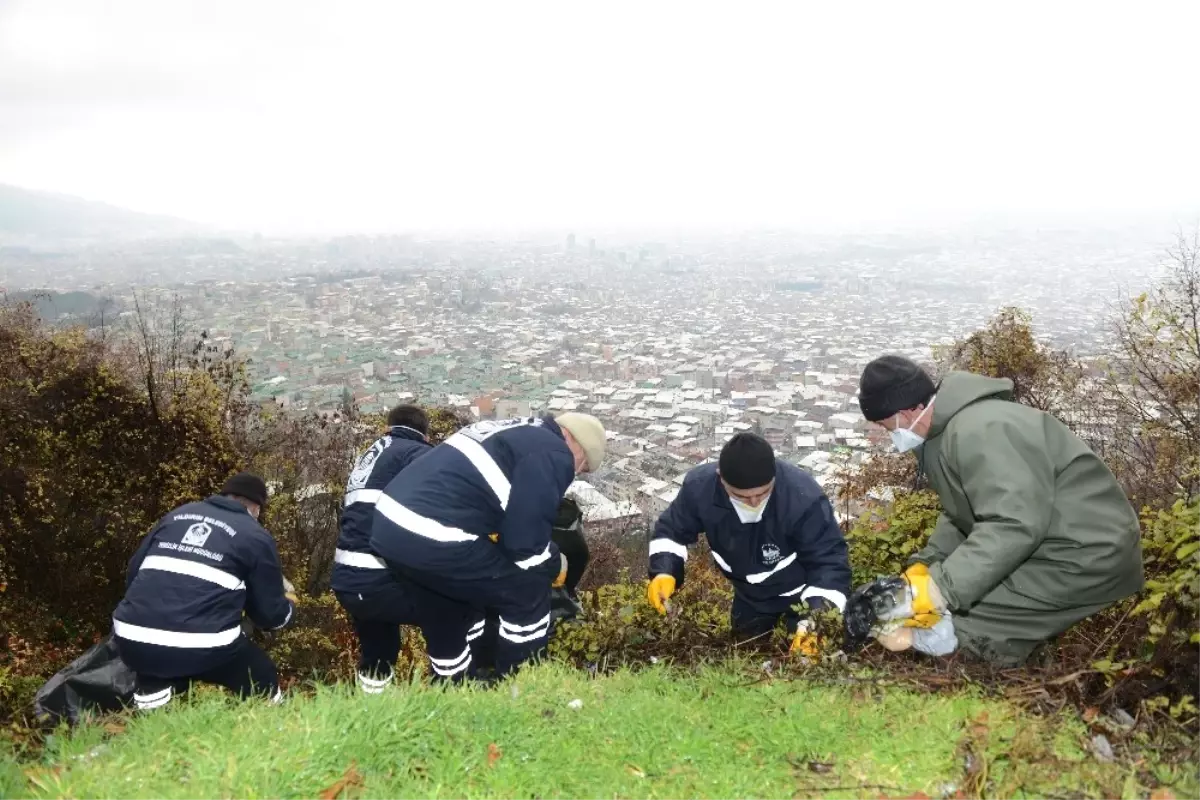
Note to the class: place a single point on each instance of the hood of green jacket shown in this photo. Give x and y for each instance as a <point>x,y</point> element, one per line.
<point>959,390</point>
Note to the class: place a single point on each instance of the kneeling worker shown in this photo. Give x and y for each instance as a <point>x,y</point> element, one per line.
<point>189,582</point>
<point>772,532</point>
<point>1035,533</point>
<point>376,603</point>
<point>432,526</point>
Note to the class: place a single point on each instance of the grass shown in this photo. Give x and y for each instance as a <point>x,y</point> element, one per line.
<point>657,733</point>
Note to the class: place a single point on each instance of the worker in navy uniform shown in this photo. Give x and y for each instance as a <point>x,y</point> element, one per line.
<point>772,532</point>
<point>193,575</point>
<point>568,535</point>
<point>433,523</point>
<point>375,602</point>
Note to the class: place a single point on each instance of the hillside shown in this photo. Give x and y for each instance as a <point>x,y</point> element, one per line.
<point>28,216</point>
<point>556,732</point>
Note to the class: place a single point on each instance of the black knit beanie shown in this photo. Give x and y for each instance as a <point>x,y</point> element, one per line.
<point>890,384</point>
<point>247,485</point>
<point>747,461</point>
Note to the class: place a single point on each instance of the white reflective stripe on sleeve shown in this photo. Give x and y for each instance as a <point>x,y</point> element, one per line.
<point>720,561</point>
<point>797,590</point>
<point>451,666</point>
<point>832,595</point>
<point>363,496</point>
<point>422,526</point>
<point>478,626</point>
<point>508,626</point>
<point>667,546</point>
<point>136,633</point>
<point>486,465</point>
<point>287,619</point>
<point>759,577</point>
<point>181,566</point>
<point>533,561</point>
<point>360,560</point>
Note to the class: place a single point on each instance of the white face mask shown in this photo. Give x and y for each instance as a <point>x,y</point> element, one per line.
<point>903,439</point>
<point>748,514</point>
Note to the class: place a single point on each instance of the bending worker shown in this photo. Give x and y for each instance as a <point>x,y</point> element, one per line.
<point>772,532</point>
<point>432,527</point>
<point>1035,532</point>
<point>376,604</point>
<point>191,578</point>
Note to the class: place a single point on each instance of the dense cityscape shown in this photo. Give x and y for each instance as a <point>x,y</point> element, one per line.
<point>675,346</point>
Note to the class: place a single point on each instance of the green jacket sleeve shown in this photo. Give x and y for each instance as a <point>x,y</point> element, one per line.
<point>1008,478</point>
<point>942,542</point>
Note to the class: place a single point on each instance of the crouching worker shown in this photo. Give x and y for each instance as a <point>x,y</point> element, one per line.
<point>772,532</point>
<point>567,534</point>
<point>197,570</point>
<point>1035,532</point>
<point>376,603</point>
<point>432,526</point>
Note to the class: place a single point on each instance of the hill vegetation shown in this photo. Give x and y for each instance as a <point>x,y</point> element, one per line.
<point>101,435</point>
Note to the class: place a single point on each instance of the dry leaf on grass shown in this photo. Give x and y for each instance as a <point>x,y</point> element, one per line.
<point>493,754</point>
<point>635,770</point>
<point>350,779</point>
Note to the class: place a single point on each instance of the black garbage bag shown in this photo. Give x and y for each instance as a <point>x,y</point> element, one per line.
<point>98,681</point>
<point>567,534</point>
<point>867,605</point>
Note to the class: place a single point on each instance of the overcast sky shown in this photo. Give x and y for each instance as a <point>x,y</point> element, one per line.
<point>315,117</point>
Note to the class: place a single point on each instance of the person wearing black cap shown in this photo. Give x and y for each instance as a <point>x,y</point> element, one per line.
<point>1035,532</point>
<point>194,574</point>
<point>376,603</point>
<point>771,530</point>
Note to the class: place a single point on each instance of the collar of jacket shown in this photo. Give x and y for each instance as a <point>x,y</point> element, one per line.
<point>552,426</point>
<point>405,432</point>
<point>228,503</point>
<point>720,496</point>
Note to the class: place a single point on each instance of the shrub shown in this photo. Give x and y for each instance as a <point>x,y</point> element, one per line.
<point>1171,552</point>
<point>621,627</point>
<point>87,465</point>
<point>883,538</point>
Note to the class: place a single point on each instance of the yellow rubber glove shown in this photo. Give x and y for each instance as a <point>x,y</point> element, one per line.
<point>660,590</point>
<point>917,569</point>
<point>805,643</point>
<point>495,537</point>
<point>562,573</point>
<point>926,597</point>
<point>289,591</point>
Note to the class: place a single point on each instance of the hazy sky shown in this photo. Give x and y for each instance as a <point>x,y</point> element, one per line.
<point>343,116</point>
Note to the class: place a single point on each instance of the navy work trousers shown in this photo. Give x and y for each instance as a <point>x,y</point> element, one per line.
<point>453,603</point>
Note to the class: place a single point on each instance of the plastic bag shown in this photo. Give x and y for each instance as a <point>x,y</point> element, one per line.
<point>98,681</point>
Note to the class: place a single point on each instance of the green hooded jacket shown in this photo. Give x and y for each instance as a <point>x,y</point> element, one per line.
<point>1031,517</point>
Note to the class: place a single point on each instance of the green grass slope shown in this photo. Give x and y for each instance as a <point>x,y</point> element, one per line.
<point>656,733</point>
